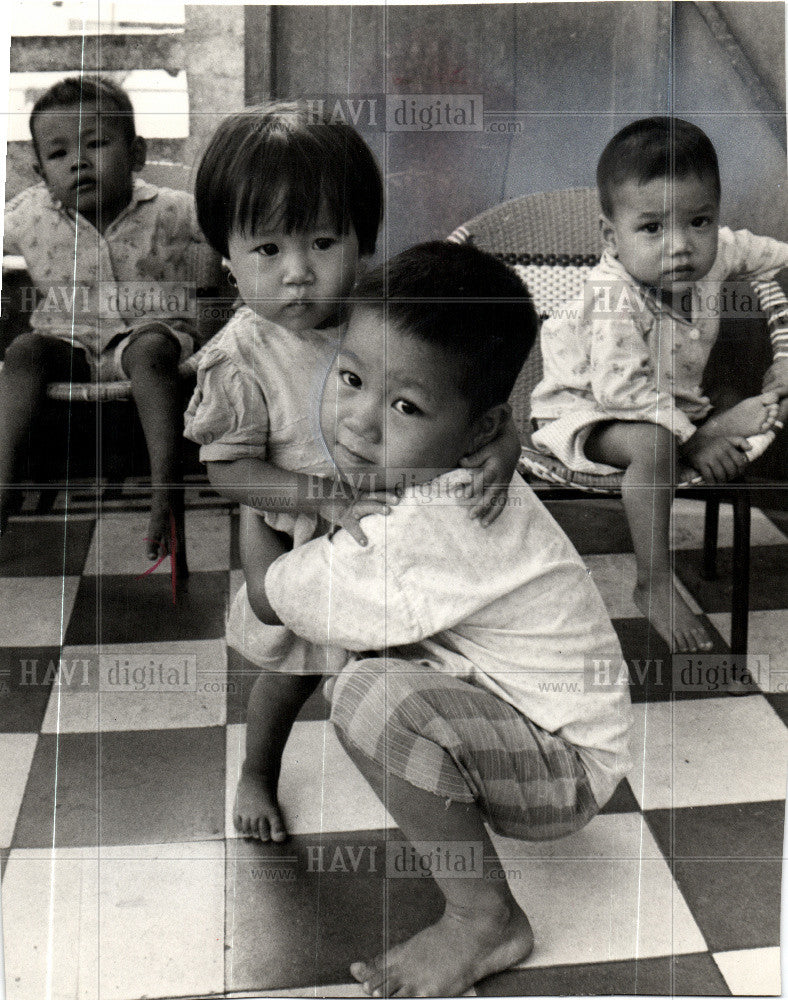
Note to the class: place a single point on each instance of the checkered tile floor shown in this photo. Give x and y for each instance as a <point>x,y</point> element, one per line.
<point>122,876</point>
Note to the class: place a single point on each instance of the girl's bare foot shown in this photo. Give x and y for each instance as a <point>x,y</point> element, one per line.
<point>256,811</point>
<point>663,605</point>
<point>751,416</point>
<point>446,959</point>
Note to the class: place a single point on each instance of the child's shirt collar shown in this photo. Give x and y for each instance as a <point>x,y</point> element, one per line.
<point>141,191</point>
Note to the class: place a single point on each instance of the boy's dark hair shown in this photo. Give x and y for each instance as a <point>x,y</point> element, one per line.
<point>651,148</point>
<point>465,302</point>
<point>287,156</point>
<point>110,98</point>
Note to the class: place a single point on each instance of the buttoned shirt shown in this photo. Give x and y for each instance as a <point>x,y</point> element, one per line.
<point>92,286</point>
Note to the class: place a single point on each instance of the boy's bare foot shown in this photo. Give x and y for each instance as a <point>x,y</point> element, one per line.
<point>256,811</point>
<point>663,605</point>
<point>446,959</point>
<point>751,416</point>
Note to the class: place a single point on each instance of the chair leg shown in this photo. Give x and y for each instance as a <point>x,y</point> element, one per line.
<point>710,530</point>
<point>740,596</point>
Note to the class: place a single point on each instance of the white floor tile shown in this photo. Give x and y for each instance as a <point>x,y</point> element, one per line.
<point>754,972</point>
<point>88,700</point>
<point>36,609</point>
<point>128,922</point>
<point>16,756</point>
<point>320,788</point>
<point>688,521</point>
<point>615,576</point>
<point>709,751</point>
<point>767,638</point>
<point>591,904</point>
<point>118,545</point>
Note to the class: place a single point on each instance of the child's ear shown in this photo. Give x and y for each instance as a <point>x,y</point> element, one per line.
<point>363,262</point>
<point>139,153</point>
<point>488,426</point>
<point>608,231</point>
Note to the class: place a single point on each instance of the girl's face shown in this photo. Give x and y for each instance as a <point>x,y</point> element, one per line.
<point>297,280</point>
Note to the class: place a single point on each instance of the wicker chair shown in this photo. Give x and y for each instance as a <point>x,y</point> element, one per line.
<point>553,240</point>
<point>207,272</point>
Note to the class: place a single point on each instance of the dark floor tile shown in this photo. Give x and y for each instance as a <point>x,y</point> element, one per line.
<point>241,675</point>
<point>594,525</point>
<point>682,975</point>
<point>650,663</point>
<point>26,678</point>
<point>235,545</point>
<point>779,703</point>
<point>156,786</point>
<point>622,800</point>
<point>747,830</point>
<point>768,582</point>
<point>45,548</point>
<point>736,904</point>
<point>291,924</point>
<point>115,609</point>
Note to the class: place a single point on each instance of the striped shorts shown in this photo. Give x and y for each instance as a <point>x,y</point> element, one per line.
<point>459,741</point>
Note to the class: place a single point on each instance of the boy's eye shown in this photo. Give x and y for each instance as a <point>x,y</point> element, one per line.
<point>350,378</point>
<point>701,221</point>
<point>56,154</point>
<point>267,249</point>
<point>405,407</point>
<point>325,242</point>
<point>652,227</point>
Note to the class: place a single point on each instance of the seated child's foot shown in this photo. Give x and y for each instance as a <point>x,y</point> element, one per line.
<point>165,533</point>
<point>664,606</point>
<point>256,812</point>
<point>751,416</point>
<point>446,959</point>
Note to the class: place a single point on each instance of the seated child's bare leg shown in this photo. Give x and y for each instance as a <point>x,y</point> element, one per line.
<point>647,453</point>
<point>745,418</point>
<point>274,703</point>
<point>151,360</point>
<point>482,929</point>
<point>31,361</point>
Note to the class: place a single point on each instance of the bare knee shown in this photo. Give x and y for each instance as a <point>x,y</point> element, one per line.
<point>654,456</point>
<point>152,350</point>
<point>28,353</point>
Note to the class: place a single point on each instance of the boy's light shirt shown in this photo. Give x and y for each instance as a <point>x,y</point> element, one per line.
<point>96,286</point>
<point>642,360</point>
<point>510,607</point>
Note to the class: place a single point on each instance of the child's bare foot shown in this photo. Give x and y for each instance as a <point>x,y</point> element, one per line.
<point>166,534</point>
<point>663,605</point>
<point>446,959</point>
<point>751,416</point>
<point>256,812</point>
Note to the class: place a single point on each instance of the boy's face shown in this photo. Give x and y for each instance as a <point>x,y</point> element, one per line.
<point>296,280</point>
<point>86,160</point>
<point>664,232</point>
<point>391,403</point>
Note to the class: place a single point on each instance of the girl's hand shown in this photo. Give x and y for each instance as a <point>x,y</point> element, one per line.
<point>346,515</point>
<point>497,462</point>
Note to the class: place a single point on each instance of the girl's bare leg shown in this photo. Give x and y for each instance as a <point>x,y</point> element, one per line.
<point>647,452</point>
